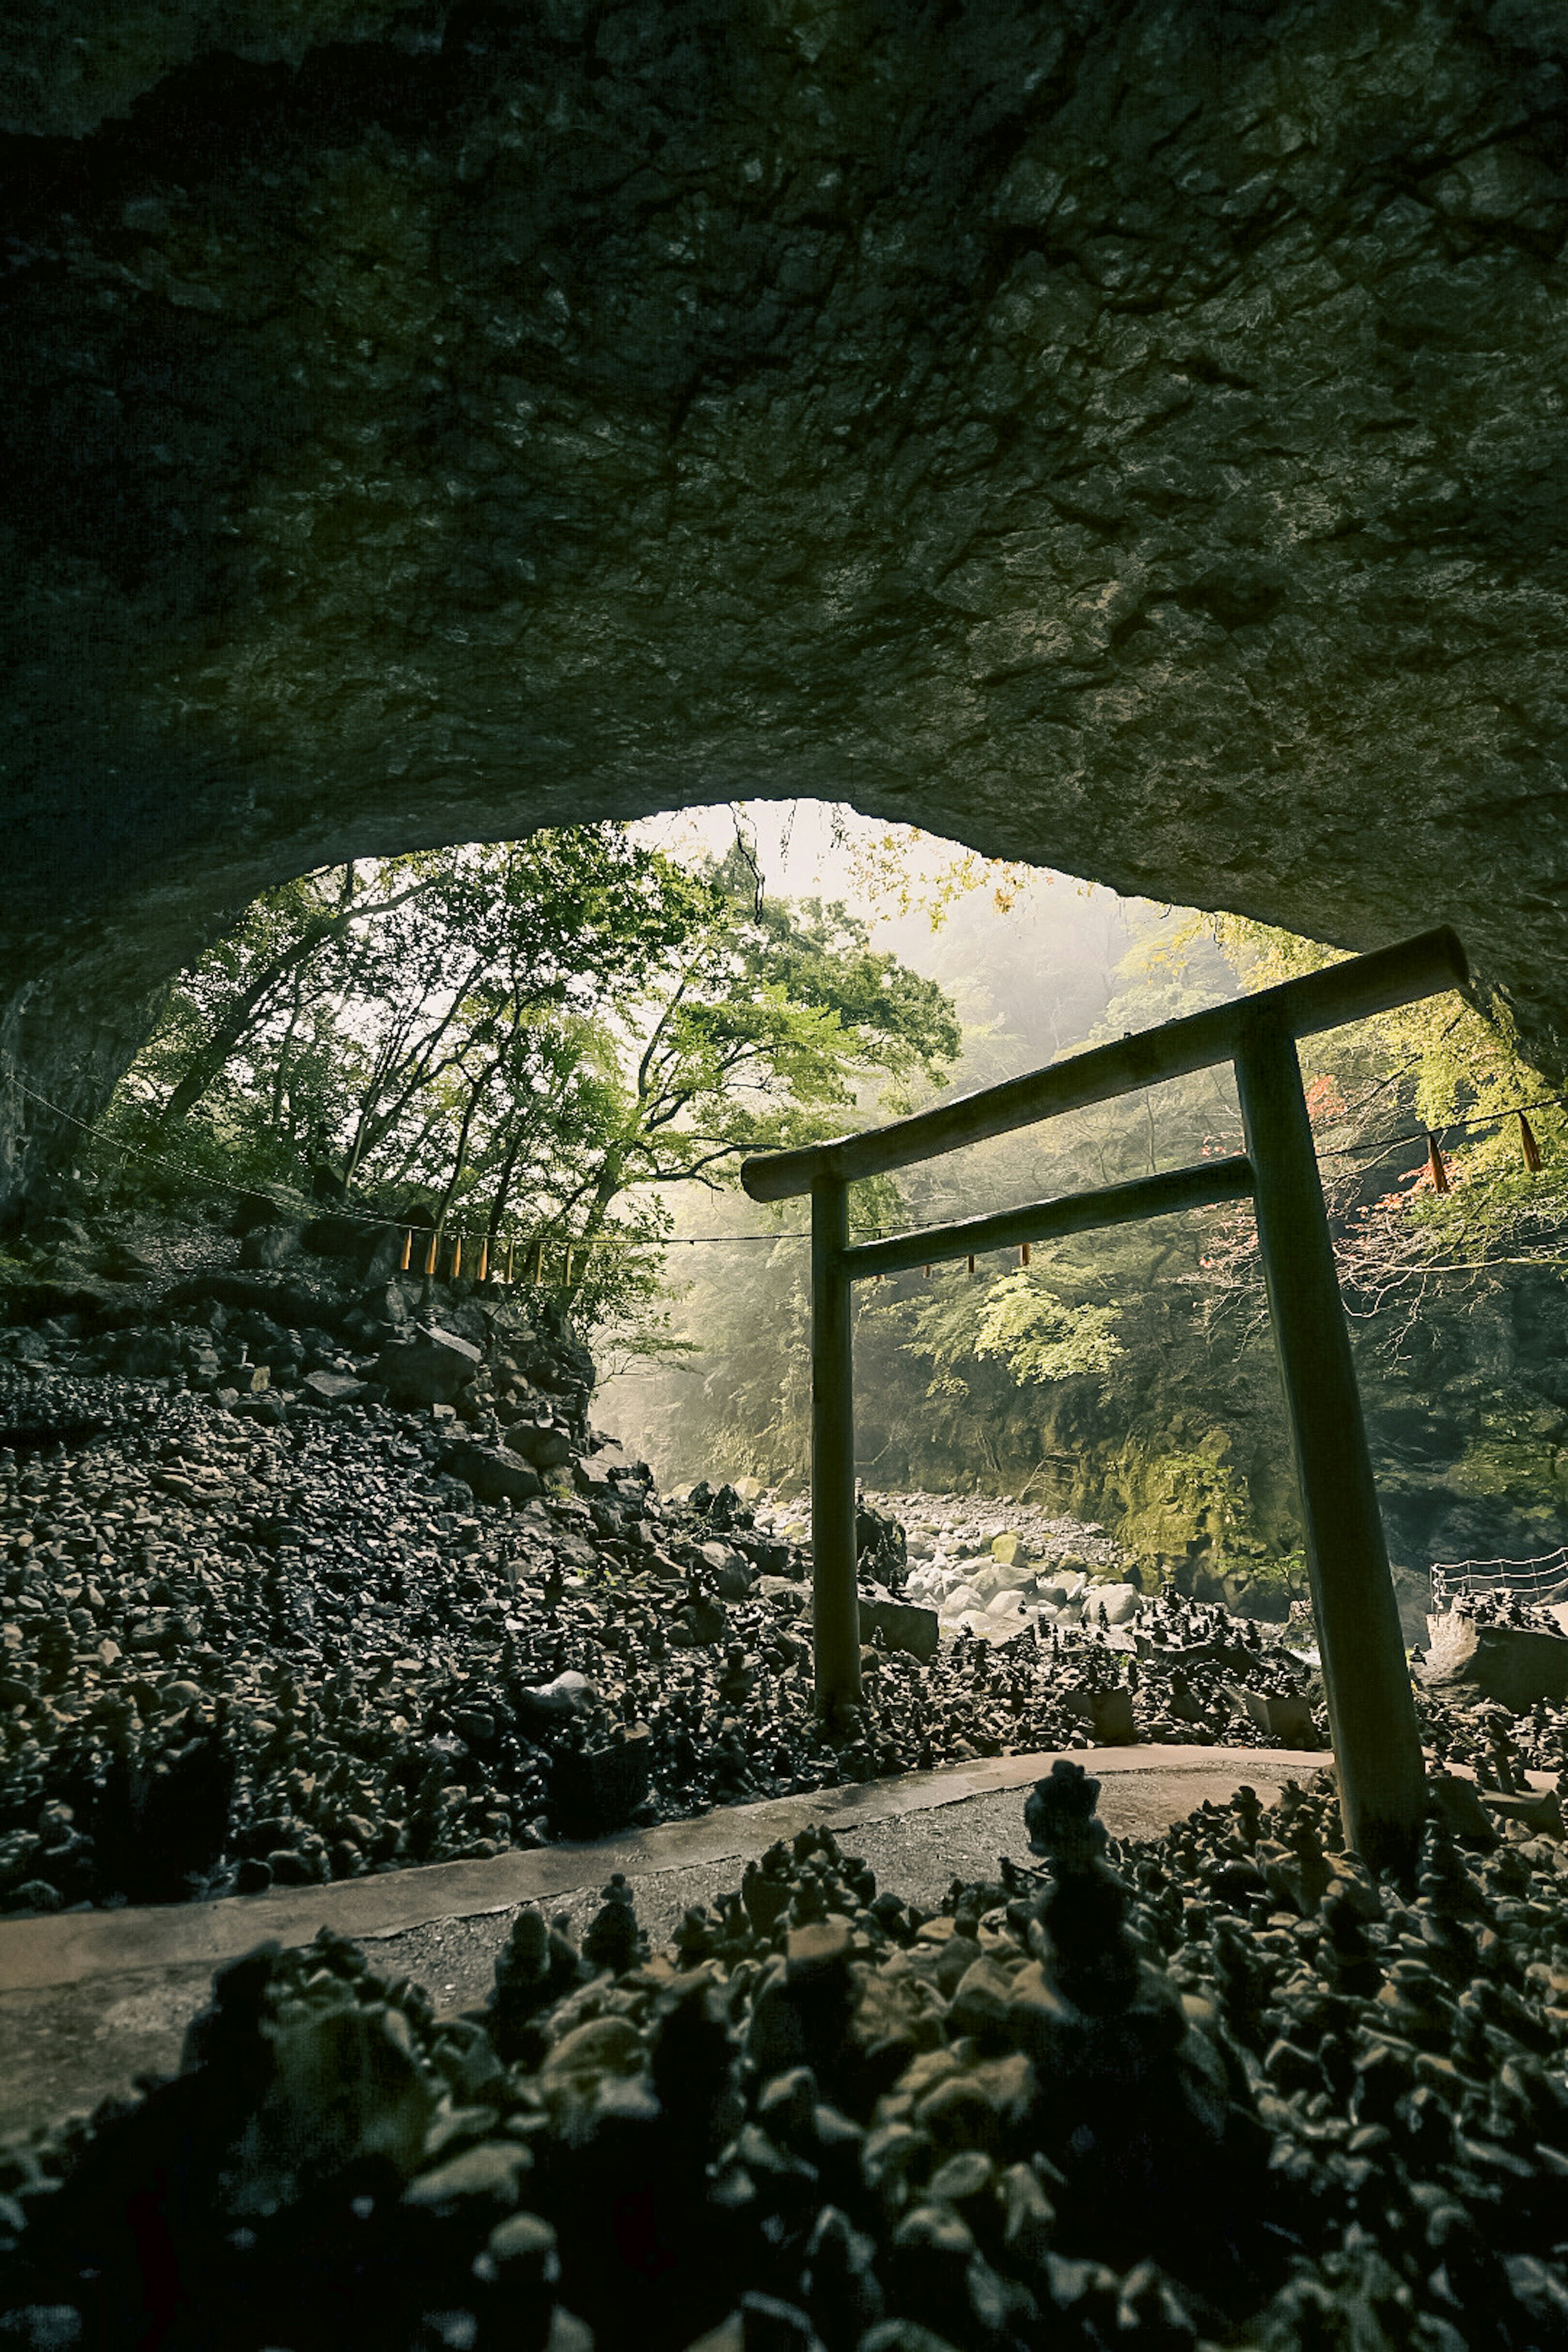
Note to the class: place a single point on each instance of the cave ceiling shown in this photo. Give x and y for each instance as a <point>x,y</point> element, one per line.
<point>1128,434</point>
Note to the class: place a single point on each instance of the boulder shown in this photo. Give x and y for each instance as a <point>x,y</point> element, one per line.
<point>385,1257</point>
<point>337,1236</point>
<point>269,1246</point>
<point>331,1388</point>
<point>698,1624</point>
<point>1283,1716</point>
<point>428,1367</point>
<point>570,1694</point>
<point>300,1301</point>
<point>880,1546</point>
<point>1458,1802</point>
<point>494,1472</point>
<point>598,1790</point>
<point>903,1624</point>
<point>383,1302</point>
<point>727,1568</point>
<point>144,1355</point>
<point>1539,1809</point>
<point>540,1442</point>
<point>1512,1663</point>
<point>1108,1712</point>
<point>1119,1602</point>
<point>609,1459</point>
<point>1008,1548</point>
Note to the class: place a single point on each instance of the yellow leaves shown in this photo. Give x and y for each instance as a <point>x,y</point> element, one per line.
<point>903,869</point>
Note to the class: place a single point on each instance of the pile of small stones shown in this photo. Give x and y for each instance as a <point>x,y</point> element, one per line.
<point>309,1628</point>
<point>240,1655</point>
<point>1221,2088</point>
<point>990,1571</point>
<point>1504,1608</point>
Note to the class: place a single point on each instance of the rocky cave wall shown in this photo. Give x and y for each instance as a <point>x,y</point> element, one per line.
<point>1124,434</point>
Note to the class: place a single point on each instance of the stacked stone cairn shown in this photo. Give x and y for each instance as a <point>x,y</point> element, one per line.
<point>1219,2089</point>
<point>302,1578</point>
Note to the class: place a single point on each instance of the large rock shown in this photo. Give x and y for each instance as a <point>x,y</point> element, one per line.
<point>427,1367</point>
<point>268,1247</point>
<point>540,1442</point>
<point>1512,1663</point>
<point>1284,1717</point>
<point>494,1472</point>
<point>339,1234</point>
<point>1108,1713</point>
<point>331,1388</point>
<point>598,1789</point>
<point>1120,1602</point>
<point>143,1355</point>
<point>903,1625</point>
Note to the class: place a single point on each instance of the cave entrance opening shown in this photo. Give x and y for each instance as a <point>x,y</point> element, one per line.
<point>1366,1679</point>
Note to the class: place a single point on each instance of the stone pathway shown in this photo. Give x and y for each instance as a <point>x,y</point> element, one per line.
<point>90,1999</point>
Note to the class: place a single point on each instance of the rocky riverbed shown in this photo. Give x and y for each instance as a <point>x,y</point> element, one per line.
<point>304,1576</point>
<point>1228,2091</point>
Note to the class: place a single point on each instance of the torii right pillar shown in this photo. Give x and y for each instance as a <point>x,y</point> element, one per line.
<point>1367,1677</point>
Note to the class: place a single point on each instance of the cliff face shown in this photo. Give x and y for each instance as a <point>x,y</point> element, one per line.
<point>1126,436</point>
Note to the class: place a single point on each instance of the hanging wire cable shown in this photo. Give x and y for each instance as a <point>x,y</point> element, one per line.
<point>1429,1139</point>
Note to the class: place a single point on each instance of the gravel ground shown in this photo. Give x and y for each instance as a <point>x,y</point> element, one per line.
<point>244,1650</point>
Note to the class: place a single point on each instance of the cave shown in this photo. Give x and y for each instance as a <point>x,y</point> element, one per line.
<point>1125,436</point>
<point>1130,438</point>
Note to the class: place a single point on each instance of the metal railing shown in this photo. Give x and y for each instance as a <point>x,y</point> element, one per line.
<point>1370,1710</point>
<point>1544,1578</point>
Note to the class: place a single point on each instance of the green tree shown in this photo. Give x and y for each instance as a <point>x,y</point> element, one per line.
<point>545,1035</point>
<point>763,1028</point>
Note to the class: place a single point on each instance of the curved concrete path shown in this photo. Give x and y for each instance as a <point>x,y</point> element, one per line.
<point>92,1999</point>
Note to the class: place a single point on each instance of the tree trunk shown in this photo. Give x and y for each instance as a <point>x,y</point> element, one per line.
<point>209,1060</point>
<point>609,1188</point>
<point>504,1183</point>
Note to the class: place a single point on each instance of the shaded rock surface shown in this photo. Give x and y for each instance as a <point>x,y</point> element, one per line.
<point>1516,1664</point>
<point>955,407</point>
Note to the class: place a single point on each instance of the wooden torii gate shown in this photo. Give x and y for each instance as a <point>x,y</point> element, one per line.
<point>1371,1713</point>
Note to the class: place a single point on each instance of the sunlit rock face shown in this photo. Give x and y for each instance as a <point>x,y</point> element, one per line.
<point>1131,437</point>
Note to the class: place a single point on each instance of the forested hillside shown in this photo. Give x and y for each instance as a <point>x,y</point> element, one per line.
<point>1129,1376</point>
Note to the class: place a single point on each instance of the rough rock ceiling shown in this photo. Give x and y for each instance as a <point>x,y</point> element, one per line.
<point>1128,434</point>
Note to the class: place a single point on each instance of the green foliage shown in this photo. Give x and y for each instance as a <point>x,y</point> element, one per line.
<point>1283,1580</point>
<point>1021,1322</point>
<point>1441,1065</point>
<point>1129,1375</point>
<point>535,1038</point>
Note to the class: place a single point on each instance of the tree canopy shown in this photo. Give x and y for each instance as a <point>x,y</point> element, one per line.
<point>1129,1375</point>
<point>533,1039</point>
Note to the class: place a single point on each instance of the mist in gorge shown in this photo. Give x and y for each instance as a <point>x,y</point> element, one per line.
<point>1128,1379</point>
